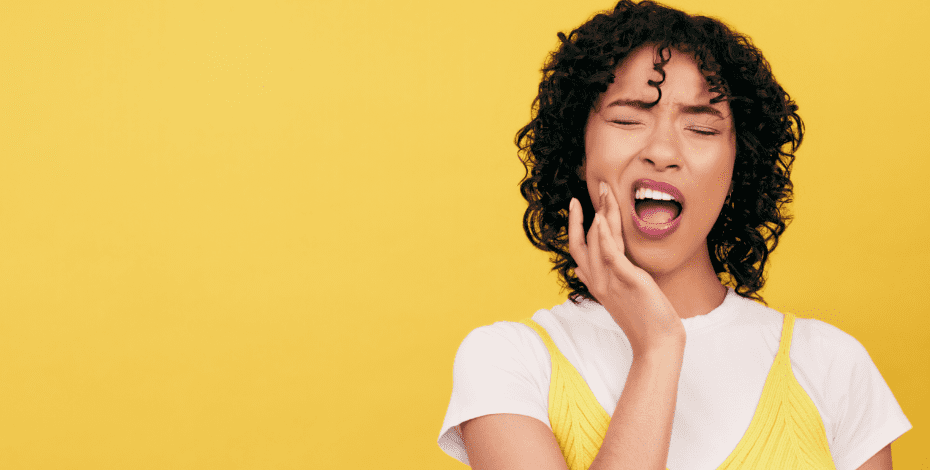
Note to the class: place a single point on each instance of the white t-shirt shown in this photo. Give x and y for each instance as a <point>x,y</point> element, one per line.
<point>505,368</point>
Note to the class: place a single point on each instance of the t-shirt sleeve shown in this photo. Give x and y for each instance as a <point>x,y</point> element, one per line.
<point>865,416</point>
<point>500,368</point>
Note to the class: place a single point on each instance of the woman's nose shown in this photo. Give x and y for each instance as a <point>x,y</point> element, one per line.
<point>663,150</point>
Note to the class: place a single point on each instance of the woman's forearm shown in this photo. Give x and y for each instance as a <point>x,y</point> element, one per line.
<point>641,427</point>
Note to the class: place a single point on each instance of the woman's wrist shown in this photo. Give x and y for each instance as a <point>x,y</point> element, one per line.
<point>661,350</point>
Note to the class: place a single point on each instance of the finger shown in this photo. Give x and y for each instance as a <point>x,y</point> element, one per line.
<point>576,243</point>
<point>611,211</point>
<point>579,273</point>
<point>595,269</point>
<point>615,261</point>
<point>610,255</point>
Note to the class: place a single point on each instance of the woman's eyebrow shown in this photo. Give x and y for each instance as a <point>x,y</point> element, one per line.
<point>701,109</point>
<point>686,109</point>
<point>638,104</point>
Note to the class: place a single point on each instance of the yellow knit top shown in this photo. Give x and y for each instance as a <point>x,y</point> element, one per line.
<point>786,431</point>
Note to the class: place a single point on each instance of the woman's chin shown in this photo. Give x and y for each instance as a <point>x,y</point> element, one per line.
<point>654,261</point>
<point>663,261</point>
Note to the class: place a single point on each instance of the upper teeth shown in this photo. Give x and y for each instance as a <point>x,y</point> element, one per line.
<point>646,193</point>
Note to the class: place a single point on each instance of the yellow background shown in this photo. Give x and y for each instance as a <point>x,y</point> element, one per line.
<point>252,235</point>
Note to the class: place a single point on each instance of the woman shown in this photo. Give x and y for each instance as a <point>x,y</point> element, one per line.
<point>658,163</point>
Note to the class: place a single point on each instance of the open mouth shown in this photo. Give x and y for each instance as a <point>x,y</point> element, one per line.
<point>656,207</point>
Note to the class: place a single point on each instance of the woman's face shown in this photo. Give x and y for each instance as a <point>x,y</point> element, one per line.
<point>682,148</point>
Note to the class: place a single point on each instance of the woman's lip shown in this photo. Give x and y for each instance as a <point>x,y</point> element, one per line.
<point>657,230</point>
<point>660,186</point>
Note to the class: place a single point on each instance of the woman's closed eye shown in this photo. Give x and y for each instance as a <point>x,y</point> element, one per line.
<point>625,122</point>
<point>703,130</point>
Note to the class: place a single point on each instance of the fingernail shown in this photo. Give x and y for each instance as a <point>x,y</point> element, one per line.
<point>603,189</point>
<point>571,205</point>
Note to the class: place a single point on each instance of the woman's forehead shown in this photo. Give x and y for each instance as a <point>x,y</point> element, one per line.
<point>683,81</point>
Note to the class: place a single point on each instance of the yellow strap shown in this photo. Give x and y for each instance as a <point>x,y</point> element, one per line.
<point>554,352</point>
<point>578,420</point>
<point>787,331</point>
<point>786,431</point>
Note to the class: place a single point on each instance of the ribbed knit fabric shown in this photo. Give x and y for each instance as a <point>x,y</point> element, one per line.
<point>786,431</point>
<point>578,421</point>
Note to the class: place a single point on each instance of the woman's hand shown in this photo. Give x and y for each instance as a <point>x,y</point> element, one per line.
<point>628,292</point>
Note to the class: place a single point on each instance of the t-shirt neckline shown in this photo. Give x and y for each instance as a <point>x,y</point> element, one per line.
<point>722,314</point>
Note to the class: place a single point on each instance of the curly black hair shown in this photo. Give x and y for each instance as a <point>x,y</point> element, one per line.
<point>768,133</point>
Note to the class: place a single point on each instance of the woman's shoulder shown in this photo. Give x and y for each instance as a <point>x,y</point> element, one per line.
<point>556,321</point>
<point>504,333</point>
<point>503,367</point>
<point>821,350</point>
<point>822,335</point>
<point>509,356</point>
<point>499,368</point>
<point>509,345</point>
<point>857,406</point>
<point>826,350</point>
<point>858,409</point>
<point>828,361</point>
<point>817,337</point>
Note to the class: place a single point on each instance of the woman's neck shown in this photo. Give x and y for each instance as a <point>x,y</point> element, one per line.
<point>694,288</point>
